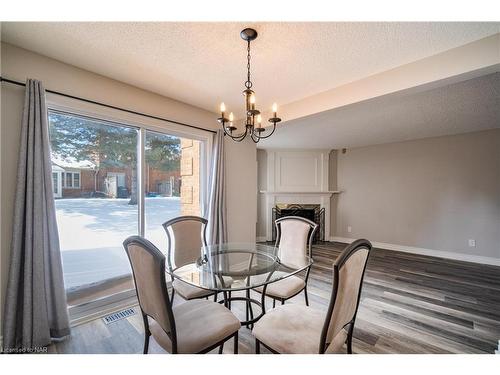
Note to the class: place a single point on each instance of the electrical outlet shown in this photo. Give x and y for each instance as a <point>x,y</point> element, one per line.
<point>349,229</point>
<point>472,243</point>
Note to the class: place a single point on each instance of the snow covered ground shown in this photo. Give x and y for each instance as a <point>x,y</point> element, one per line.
<point>91,232</point>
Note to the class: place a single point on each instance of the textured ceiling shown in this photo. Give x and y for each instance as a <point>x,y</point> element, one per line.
<point>204,63</point>
<point>467,106</point>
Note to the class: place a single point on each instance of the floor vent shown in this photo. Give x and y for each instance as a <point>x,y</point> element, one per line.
<point>119,315</point>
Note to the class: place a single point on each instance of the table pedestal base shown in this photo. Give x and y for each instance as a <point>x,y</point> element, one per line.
<point>249,316</point>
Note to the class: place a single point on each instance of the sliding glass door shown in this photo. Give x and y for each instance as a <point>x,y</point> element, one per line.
<point>96,203</point>
<point>171,182</point>
<point>95,166</point>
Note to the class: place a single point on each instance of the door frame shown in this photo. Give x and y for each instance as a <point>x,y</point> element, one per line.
<point>59,184</point>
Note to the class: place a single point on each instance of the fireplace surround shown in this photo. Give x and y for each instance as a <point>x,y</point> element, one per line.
<point>295,178</point>
<point>313,212</point>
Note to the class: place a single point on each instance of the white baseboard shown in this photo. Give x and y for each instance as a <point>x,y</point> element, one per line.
<point>428,252</point>
<point>261,239</point>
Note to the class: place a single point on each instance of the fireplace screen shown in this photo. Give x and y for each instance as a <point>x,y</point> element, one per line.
<point>312,212</point>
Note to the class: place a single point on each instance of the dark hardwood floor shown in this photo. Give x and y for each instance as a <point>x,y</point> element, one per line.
<point>409,304</point>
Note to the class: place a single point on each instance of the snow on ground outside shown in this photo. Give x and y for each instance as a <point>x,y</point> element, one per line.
<point>91,232</point>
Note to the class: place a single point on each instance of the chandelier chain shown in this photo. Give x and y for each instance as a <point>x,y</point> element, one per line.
<point>248,83</point>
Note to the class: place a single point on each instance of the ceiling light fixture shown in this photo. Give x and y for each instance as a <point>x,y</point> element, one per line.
<point>253,122</point>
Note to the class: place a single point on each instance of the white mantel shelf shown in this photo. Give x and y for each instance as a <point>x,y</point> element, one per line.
<point>300,192</point>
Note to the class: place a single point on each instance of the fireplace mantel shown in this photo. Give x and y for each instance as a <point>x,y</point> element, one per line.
<point>328,193</point>
<point>297,177</point>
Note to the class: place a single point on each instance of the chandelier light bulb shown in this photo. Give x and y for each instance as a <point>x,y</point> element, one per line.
<point>231,117</point>
<point>259,120</point>
<point>222,107</point>
<point>275,108</point>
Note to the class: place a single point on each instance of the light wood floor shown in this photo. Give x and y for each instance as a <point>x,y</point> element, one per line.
<point>409,304</point>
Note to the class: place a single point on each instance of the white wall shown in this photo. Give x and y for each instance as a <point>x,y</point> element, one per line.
<point>19,64</point>
<point>434,193</point>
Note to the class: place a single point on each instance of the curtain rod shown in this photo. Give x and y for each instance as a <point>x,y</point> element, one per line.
<point>2,79</point>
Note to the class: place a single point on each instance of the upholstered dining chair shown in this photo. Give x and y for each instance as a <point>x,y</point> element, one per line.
<point>293,240</point>
<point>186,236</point>
<point>196,326</point>
<point>294,328</point>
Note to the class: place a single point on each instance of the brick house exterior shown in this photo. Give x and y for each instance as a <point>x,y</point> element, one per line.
<point>190,175</point>
<point>82,179</point>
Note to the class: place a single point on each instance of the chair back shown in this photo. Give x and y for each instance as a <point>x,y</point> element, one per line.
<point>294,238</point>
<point>148,269</point>
<point>348,273</point>
<point>186,237</point>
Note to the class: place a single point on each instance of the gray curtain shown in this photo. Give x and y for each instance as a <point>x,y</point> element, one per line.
<point>217,230</point>
<point>35,301</point>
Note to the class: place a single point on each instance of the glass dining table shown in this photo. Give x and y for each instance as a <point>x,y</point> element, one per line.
<point>231,267</point>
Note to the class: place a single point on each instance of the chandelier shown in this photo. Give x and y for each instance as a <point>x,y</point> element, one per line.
<point>253,121</point>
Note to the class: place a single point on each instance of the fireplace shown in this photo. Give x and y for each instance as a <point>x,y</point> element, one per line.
<point>313,212</point>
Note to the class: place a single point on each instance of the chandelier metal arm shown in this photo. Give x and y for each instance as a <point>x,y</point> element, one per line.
<point>237,138</point>
<point>270,134</point>
<point>255,137</point>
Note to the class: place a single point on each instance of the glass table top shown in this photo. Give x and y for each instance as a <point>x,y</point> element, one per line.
<point>240,266</point>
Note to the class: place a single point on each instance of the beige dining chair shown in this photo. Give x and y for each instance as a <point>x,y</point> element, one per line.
<point>196,326</point>
<point>294,241</point>
<point>298,329</point>
<point>186,236</point>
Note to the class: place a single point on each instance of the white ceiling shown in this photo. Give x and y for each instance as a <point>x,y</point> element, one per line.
<point>204,63</point>
<point>471,105</point>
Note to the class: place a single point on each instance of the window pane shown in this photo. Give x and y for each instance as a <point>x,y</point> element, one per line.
<point>93,221</point>
<point>172,182</point>
<point>69,180</point>
<point>76,180</point>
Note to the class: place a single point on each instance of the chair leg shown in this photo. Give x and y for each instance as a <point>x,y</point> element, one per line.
<point>146,343</point>
<point>274,303</point>
<point>247,305</point>
<point>215,297</point>
<point>236,343</point>
<point>349,338</point>
<point>282,301</point>
<point>257,346</point>
<point>305,295</point>
<point>221,348</point>
<point>173,294</point>
<point>147,334</point>
<point>229,300</point>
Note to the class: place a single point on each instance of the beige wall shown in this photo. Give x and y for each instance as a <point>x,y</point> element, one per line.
<point>261,198</point>
<point>333,186</point>
<point>241,189</point>
<point>434,193</point>
<point>19,64</point>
